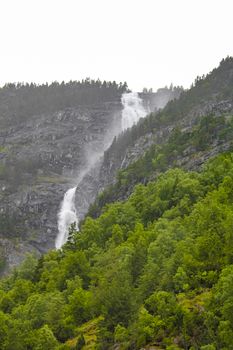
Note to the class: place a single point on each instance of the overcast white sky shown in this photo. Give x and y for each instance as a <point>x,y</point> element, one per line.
<point>144,42</point>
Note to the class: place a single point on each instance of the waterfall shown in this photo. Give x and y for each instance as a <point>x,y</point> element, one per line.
<point>132,111</point>
<point>66,216</point>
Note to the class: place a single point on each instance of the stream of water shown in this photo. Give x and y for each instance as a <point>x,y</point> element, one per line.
<point>132,111</point>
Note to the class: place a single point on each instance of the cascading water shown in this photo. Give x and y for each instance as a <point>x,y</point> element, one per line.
<point>132,111</point>
<point>66,216</point>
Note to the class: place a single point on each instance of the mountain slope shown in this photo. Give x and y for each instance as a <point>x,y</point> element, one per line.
<point>182,118</point>
<point>154,271</point>
<point>46,136</point>
<point>211,94</point>
<point>50,135</point>
<point>154,268</point>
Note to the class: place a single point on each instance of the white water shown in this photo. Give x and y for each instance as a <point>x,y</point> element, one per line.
<point>66,216</point>
<point>133,110</point>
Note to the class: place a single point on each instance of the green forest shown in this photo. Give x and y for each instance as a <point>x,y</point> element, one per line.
<point>156,269</point>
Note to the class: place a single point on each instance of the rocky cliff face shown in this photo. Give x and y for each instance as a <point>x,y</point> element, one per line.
<point>112,163</point>
<point>44,155</point>
<point>39,160</point>
<point>120,153</point>
<point>211,95</point>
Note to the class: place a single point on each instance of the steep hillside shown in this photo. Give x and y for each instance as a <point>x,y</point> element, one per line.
<point>104,172</point>
<point>45,144</point>
<point>211,94</point>
<point>153,267</point>
<point>50,136</point>
<point>19,102</point>
<point>211,97</point>
<point>153,272</point>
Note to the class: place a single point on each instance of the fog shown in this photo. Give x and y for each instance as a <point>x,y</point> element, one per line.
<point>147,43</point>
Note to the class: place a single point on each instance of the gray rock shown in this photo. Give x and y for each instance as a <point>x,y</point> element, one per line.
<point>47,153</point>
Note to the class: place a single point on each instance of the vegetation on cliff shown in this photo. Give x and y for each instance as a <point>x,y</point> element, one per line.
<point>20,101</point>
<point>208,132</point>
<point>155,269</point>
<point>208,90</point>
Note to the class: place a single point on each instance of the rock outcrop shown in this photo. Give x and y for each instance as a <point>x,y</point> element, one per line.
<point>42,158</point>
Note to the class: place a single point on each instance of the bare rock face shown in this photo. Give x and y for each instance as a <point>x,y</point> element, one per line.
<point>43,155</point>
<point>39,160</point>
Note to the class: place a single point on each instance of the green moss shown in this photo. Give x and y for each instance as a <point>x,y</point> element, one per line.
<point>52,179</point>
<point>3,149</point>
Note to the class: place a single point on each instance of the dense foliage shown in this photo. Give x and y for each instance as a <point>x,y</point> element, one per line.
<point>155,269</point>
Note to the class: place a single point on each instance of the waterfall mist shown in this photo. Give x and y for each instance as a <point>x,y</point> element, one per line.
<point>132,111</point>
